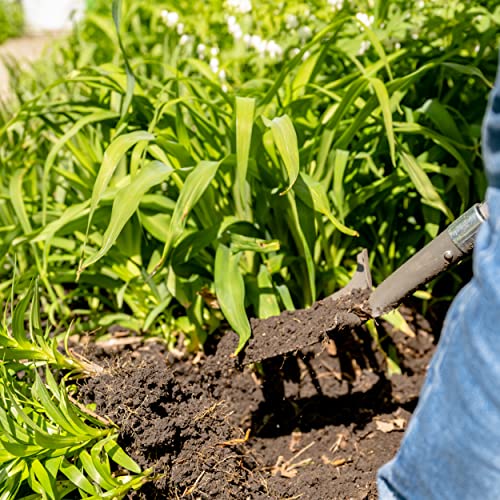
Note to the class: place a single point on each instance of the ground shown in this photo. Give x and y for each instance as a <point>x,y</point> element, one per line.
<point>317,424</point>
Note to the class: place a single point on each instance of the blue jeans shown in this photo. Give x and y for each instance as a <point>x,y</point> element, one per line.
<point>451,449</point>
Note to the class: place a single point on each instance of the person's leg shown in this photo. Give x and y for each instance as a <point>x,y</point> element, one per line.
<point>451,449</point>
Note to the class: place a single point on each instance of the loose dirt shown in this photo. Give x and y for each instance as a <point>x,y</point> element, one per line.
<point>292,331</point>
<point>317,424</point>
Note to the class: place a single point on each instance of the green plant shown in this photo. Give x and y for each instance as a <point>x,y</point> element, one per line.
<point>202,166</point>
<point>175,183</point>
<point>50,446</point>
<point>11,19</point>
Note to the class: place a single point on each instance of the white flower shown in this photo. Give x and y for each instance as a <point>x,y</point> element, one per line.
<point>274,50</point>
<point>306,55</point>
<point>257,43</point>
<point>294,52</point>
<point>237,33</point>
<point>365,45</point>
<point>304,33</point>
<point>184,39</point>
<point>163,15</point>
<point>222,74</point>
<point>180,28</point>
<point>171,19</point>
<point>247,39</point>
<point>261,47</point>
<point>224,88</point>
<point>200,50</point>
<point>214,64</point>
<point>243,6</point>
<point>234,28</point>
<point>364,19</point>
<point>214,51</point>
<point>291,21</point>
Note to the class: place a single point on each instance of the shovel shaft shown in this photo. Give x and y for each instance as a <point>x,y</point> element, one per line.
<point>455,242</point>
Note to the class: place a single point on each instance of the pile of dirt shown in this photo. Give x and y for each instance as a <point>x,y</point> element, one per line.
<point>317,424</point>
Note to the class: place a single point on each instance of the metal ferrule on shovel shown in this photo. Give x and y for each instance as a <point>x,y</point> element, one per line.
<point>450,246</point>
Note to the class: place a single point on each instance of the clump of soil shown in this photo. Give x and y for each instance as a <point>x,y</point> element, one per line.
<point>292,331</point>
<point>317,424</point>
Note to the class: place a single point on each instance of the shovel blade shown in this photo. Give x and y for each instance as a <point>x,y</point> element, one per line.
<point>292,331</point>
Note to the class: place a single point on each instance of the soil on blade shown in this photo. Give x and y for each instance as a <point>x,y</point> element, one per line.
<point>317,424</point>
<point>292,331</point>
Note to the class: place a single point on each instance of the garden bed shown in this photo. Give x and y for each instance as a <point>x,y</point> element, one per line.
<point>317,425</point>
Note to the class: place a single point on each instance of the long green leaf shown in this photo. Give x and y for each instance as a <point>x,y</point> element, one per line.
<point>112,157</point>
<point>116,10</point>
<point>245,109</point>
<point>74,474</point>
<point>442,119</point>
<point>298,226</point>
<point>40,392</point>
<point>385,105</point>
<point>127,202</point>
<point>94,470</point>
<point>230,290</point>
<point>96,117</point>
<point>120,457</point>
<point>423,184</point>
<point>285,138</point>
<point>194,187</point>
<point>17,199</point>
<point>19,317</point>
<point>267,302</point>
<point>48,483</point>
<point>311,192</point>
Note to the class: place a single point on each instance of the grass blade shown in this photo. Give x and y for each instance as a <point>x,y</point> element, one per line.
<point>195,185</point>
<point>385,105</point>
<point>285,138</point>
<point>74,474</point>
<point>312,193</point>
<point>245,109</point>
<point>98,116</point>
<point>112,157</point>
<point>230,291</point>
<point>423,184</point>
<point>44,479</point>
<point>116,10</point>
<point>267,303</point>
<point>126,203</point>
<point>120,457</point>
<point>16,194</point>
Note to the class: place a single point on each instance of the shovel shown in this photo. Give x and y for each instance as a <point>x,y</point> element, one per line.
<point>357,302</point>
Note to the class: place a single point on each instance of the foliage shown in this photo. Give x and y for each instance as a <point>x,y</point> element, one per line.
<point>214,162</point>
<point>49,446</point>
<point>11,19</point>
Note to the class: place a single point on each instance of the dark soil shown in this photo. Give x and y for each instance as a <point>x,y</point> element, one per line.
<point>292,331</point>
<point>315,425</point>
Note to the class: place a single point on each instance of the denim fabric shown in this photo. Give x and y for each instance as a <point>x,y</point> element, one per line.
<point>451,449</point>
